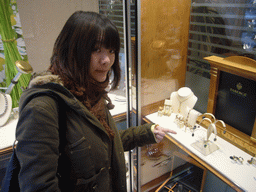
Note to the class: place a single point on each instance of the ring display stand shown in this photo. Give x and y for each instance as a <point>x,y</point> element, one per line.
<point>204,147</point>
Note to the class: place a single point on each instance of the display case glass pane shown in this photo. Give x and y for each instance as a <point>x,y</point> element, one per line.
<point>222,28</point>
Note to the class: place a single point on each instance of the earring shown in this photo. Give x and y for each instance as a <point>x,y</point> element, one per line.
<point>167,107</point>
<point>252,161</point>
<point>235,158</point>
<point>193,131</point>
<point>160,112</point>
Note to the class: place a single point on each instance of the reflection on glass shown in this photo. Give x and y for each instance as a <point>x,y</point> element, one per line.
<point>113,9</point>
<point>162,51</point>
<point>154,151</point>
<point>222,28</point>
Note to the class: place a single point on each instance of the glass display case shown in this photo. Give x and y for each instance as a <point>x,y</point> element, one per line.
<point>163,45</point>
<point>156,66</point>
<point>160,49</point>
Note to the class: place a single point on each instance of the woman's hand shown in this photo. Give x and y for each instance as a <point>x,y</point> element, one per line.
<point>161,131</point>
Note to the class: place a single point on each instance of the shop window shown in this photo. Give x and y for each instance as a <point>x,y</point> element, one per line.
<point>222,28</point>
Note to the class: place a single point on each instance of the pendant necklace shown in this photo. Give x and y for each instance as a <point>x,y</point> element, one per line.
<point>180,102</point>
<point>5,105</point>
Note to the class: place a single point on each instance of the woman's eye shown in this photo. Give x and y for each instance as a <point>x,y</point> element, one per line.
<point>96,50</point>
<point>112,51</point>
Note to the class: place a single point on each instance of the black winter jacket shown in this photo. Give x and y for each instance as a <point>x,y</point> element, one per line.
<point>63,147</point>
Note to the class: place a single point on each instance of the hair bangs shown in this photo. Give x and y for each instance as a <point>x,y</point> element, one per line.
<point>109,38</point>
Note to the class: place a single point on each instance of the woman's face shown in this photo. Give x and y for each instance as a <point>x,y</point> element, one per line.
<point>101,62</point>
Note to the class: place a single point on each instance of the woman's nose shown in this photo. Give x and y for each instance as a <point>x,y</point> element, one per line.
<point>105,58</point>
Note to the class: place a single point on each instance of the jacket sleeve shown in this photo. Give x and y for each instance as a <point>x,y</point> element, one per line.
<point>137,136</point>
<point>38,145</point>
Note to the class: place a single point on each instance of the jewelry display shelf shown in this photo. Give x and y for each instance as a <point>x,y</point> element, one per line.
<point>120,106</point>
<point>240,176</point>
<point>7,136</point>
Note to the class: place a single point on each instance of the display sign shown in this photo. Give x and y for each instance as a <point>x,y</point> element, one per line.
<point>236,102</point>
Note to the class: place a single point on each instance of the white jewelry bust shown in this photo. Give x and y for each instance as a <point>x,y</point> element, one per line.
<point>182,99</point>
<point>5,108</point>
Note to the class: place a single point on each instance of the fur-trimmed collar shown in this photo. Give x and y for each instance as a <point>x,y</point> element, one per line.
<point>44,77</point>
<point>41,78</point>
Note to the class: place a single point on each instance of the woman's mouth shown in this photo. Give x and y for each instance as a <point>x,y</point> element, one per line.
<point>101,71</point>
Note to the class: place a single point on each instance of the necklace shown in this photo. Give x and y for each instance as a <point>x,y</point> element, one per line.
<point>5,105</point>
<point>180,102</point>
<point>186,121</point>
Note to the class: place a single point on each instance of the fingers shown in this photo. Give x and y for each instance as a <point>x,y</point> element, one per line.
<point>158,138</point>
<point>159,133</point>
<point>171,131</point>
<point>166,130</point>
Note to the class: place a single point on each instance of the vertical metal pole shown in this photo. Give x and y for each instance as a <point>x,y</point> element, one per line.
<point>138,83</point>
<point>127,48</point>
<point>137,76</point>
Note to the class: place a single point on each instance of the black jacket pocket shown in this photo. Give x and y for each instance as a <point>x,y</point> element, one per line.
<point>81,159</point>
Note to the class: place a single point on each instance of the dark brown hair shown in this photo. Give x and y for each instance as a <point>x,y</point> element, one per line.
<point>83,33</point>
<point>80,36</point>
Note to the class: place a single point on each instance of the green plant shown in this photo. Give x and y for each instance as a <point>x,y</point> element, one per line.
<point>11,51</point>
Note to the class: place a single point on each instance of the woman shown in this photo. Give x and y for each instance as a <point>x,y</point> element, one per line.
<point>67,139</point>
